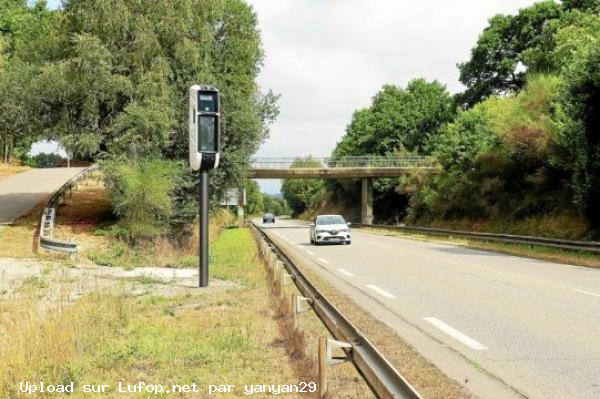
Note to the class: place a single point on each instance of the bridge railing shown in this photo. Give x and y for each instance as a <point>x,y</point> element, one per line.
<point>343,162</point>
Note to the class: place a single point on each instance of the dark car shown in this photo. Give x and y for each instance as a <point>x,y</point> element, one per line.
<point>268,218</point>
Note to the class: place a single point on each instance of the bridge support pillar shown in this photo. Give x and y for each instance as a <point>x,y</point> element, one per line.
<point>366,206</point>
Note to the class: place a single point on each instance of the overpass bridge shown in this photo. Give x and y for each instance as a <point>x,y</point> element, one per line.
<point>365,168</point>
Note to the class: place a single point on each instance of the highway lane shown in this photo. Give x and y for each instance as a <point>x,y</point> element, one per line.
<point>22,192</point>
<point>533,325</point>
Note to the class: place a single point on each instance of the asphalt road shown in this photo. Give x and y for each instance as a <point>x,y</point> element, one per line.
<point>22,192</point>
<point>529,325</point>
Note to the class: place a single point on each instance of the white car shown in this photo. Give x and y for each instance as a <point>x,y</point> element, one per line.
<point>330,229</point>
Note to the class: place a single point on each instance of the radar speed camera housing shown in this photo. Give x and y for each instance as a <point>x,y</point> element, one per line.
<point>204,127</point>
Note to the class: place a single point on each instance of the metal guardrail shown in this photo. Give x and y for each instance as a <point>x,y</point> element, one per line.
<point>48,218</point>
<point>590,246</point>
<point>383,379</point>
<point>344,162</point>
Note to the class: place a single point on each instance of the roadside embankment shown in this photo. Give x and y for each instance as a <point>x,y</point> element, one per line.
<point>128,329</point>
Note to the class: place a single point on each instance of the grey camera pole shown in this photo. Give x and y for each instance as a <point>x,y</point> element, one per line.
<point>203,228</point>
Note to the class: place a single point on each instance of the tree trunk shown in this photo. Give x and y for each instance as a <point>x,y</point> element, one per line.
<point>5,148</point>
<point>10,149</point>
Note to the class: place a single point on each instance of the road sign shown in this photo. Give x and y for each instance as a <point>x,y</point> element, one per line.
<point>232,198</point>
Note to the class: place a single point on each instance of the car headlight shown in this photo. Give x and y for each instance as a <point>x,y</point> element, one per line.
<point>321,231</point>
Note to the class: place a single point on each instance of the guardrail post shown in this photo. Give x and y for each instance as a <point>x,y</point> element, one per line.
<point>322,367</point>
<point>298,307</point>
<point>327,358</point>
<point>284,279</point>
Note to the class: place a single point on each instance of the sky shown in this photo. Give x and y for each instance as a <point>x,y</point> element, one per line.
<point>328,58</point>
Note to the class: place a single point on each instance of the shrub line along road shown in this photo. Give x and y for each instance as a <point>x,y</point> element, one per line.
<point>22,192</point>
<point>512,326</point>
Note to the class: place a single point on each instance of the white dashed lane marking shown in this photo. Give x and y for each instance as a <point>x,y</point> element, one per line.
<point>454,333</point>
<point>323,261</point>
<point>587,293</point>
<point>381,291</point>
<point>345,272</point>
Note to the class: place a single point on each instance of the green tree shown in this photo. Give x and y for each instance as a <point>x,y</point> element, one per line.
<point>17,108</point>
<point>300,194</point>
<point>577,117</point>
<point>496,160</point>
<point>581,4</point>
<point>254,198</point>
<point>26,37</point>
<point>398,119</point>
<point>276,205</point>
<point>119,87</point>
<point>500,48</point>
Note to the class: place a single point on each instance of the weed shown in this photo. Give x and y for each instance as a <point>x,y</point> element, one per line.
<point>35,282</point>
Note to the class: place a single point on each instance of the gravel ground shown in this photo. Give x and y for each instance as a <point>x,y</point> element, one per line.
<point>62,283</point>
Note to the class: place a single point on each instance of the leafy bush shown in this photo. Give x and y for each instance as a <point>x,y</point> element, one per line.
<point>142,195</point>
<point>577,117</point>
<point>496,160</point>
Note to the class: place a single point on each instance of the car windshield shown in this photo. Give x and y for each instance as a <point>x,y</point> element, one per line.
<point>335,219</point>
<point>268,215</point>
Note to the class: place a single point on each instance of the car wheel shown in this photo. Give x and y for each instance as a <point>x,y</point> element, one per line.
<point>348,242</point>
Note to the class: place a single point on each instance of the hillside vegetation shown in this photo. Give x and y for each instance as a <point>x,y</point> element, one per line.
<point>519,149</point>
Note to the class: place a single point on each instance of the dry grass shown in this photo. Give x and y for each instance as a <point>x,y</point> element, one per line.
<point>9,170</point>
<point>20,239</point>
<point>82,213</point>
<point>161,252</point>
<point>86,217</point>
<point>566,225</point>
<point>77,220</point>
<point>222,336</point>
<point>548,254</point>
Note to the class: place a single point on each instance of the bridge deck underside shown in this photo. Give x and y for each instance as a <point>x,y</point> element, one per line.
<point>335,173</point>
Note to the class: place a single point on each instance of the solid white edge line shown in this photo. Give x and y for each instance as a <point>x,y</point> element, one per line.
<point>586,293</point>
<point>345,272</point>
<point>310,252</point>
<point>381,292</point>
<point>323,260</point>
<point>454,333</point>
